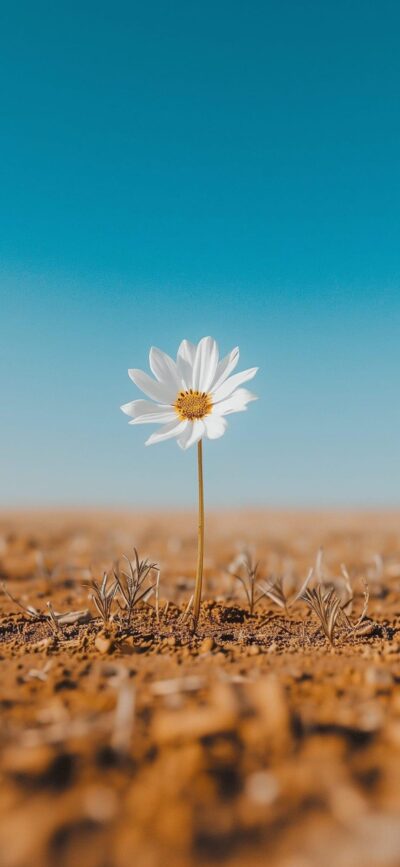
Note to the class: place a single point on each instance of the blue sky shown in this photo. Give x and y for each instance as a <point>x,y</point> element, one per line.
<point>175,170</point>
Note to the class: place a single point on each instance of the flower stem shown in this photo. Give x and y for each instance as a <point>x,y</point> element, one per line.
<point>200,537</point>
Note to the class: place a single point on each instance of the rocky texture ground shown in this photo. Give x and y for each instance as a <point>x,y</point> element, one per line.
<point>252,741</point>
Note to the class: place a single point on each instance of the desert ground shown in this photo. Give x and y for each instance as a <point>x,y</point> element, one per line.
<point>255,740</point>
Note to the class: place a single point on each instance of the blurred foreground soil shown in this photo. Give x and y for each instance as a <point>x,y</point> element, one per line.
<point>252,742</point>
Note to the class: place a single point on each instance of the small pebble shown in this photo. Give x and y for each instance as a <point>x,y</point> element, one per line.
<point>103,644</point>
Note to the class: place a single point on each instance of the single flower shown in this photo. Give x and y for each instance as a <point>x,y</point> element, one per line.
<point>191,396</point>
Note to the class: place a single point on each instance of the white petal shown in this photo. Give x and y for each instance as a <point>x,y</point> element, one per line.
<point>164,368</point>
<point>173,429</point>
<point>193,433</point>
<point>129,408</point>
<point>232,382</point>
<point>146,412</point>
<point>187,351</point>
<point>225,368</point>
<point>184,362</point>
<point>215,426</point>
<point>237,402</point>
<point>205,364</point>
<point>159,391</point>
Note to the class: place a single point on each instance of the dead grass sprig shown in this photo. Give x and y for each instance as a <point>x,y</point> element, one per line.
<point>133,585</point>
<point>249,580</point>
<point>28,609</point>
<point>275,591</point>
<point>54,617</point>
<point>343,588</point>
<point>348,603</point>
<point>357,626</point>
<point>102,596</point>
<point>54,620</point>
<point>365,605</point>
<point>341,583</point>
<point>187,610</point>
<point>326,606</point>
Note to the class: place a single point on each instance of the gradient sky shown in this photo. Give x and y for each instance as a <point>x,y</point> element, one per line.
<point>173,170</point>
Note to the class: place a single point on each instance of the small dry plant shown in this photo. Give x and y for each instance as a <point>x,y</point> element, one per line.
<point>103,597</point>
<point>358,627</point>
<point>331,611</point>
<point>54,620</point>
<point>326,606</point>
<point>343,586</point>
<point>135,585</point>
<point>245,571</point>
<point>341,583</point>
<point>276,591</point>
<point>244,564</point>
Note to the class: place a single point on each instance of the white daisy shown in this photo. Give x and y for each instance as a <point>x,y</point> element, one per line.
<point>190,396</point>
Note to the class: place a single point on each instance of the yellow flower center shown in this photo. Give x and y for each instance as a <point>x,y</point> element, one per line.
<point>190,405</point>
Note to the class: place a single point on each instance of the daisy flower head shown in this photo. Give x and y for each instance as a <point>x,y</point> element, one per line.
<point>190,397</point>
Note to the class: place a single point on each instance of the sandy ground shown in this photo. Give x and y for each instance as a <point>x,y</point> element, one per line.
<point>252,742</point>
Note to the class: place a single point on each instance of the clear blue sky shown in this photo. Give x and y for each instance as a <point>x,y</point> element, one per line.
<point>172,170</point>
